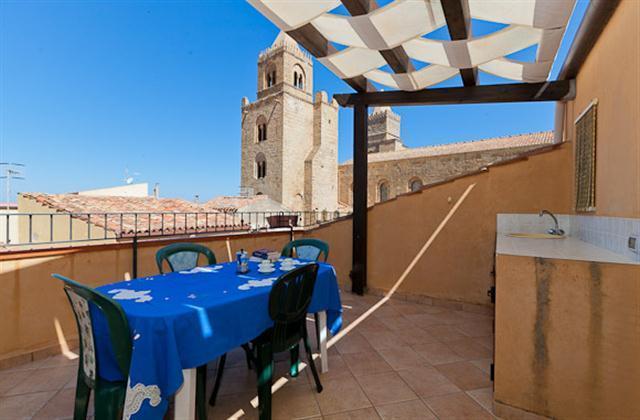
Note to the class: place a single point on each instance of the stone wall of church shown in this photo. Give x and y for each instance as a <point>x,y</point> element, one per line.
<point>267,109</point>
<point>321,165</point>
<point>297,141</point>
<point>398,174</point>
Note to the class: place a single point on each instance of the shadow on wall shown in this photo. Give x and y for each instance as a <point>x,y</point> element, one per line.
<point>460,262</point>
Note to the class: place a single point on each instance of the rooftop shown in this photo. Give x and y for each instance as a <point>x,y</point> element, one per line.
<point>543,138</point>
<point>233,202</point>
<point>141,214</point>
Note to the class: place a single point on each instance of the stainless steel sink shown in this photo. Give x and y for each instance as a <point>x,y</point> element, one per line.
<point>536,235</point>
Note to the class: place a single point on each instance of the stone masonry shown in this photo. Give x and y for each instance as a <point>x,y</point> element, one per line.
<point>300,149</point>
<point>401,169</point>
<point>290,143</point>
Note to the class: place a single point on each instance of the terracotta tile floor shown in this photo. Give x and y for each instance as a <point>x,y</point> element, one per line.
<point>406,361</point>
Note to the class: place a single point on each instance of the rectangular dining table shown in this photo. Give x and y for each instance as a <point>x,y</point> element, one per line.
<point>183,320</point>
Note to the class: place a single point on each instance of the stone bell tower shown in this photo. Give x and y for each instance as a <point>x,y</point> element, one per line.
<point>384,131</point>
<point>289,141</point>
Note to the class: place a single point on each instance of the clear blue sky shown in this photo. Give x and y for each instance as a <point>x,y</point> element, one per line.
<point>89,88</point>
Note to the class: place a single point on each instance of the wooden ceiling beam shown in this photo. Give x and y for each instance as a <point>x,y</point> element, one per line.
<point>313,41</point>
<point>560,90</point>
<point>456,13</point>
<point>397,57</point>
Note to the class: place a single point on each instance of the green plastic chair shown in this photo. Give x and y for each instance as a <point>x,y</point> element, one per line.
<point>289,300</point>
<point>109,396</point>
<point>183,256</point>
<point>308,249</point>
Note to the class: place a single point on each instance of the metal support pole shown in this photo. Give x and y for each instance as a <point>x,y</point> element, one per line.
<point>134,269</point>
<point>359,264</point>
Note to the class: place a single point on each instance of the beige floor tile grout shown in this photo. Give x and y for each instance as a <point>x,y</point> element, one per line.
<point>446,318</point>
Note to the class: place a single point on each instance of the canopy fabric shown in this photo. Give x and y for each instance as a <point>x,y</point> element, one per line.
<point>405,23</point>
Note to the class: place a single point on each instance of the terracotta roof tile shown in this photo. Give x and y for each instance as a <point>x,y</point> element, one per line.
<point>231,203</point>
<point>142,215</point>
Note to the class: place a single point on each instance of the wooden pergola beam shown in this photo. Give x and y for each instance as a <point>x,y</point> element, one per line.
<point>319,46</point>
<point>397,57</point>
<point>456,13</point>
<point>560,90</point>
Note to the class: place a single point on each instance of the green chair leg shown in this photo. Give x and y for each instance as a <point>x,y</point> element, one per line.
<point>248,355</point>
<point>295,361</point>
<point>317,327</point>
<point>265,378</point>
<point>216,385</point>
<point>109,401</point>
<point>201,392</point>
<point>312,364</point>
<point>83,393</point>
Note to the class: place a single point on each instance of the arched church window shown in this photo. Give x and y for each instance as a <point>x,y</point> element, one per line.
<point>298,77</point>
<point>261,129</point>
<point>260,166</point>
<point>383,191</point>
<point>415,184</point>
<point>271,77</point>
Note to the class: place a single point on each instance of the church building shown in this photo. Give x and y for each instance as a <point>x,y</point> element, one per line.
<point>290,135</point>
<point>290,143</point>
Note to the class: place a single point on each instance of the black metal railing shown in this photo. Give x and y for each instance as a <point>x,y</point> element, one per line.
<point>25,229</point>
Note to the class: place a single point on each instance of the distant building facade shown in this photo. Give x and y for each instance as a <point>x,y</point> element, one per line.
<point>290,135</point>
<point>290,143</point>
<point>409,169</point>
<point>129,190</point>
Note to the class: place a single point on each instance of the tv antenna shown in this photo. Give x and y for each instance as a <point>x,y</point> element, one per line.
<point>11,171</point>
<point>128,178</point>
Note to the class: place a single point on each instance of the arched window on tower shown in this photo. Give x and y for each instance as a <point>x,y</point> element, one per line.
<point>298,77</point>
<point>261,129</point>
<point>271,76</point>
<point>415,184</point>
<point>383,191</point>
<point>260,166</point>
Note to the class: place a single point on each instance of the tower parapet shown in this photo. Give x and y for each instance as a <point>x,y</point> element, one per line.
<point>384,131</point>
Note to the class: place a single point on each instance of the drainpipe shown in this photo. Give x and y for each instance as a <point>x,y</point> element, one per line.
<point>558,129</point>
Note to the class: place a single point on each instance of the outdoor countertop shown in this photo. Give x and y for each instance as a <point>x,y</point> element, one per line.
<point>568,248</point>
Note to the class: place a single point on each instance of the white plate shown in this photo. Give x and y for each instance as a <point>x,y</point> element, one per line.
<point>270,270</point>
<point>287,268</point>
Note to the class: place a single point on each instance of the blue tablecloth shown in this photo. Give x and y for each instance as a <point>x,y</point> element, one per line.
<point>183,320</point>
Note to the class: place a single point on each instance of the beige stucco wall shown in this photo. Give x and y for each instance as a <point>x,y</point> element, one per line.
<point>567,338</point>
<point>459,263</point>
<point>33,303</point>
<point>610,76</point>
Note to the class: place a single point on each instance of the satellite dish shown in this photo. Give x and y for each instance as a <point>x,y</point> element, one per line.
<point>128,179</point>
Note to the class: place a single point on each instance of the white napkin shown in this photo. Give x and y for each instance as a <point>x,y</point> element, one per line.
<point>202,270</point>
<point>257,283</point>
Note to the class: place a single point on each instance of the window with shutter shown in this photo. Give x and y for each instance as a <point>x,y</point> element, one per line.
<point>585,175</point>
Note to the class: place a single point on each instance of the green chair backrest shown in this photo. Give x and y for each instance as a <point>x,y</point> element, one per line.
<point>289,300</point>
<point>183,256</point>
<point>308,249</point>
<point>80,296</point>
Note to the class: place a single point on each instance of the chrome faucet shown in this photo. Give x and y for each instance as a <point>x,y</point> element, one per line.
<point>556,229</point>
